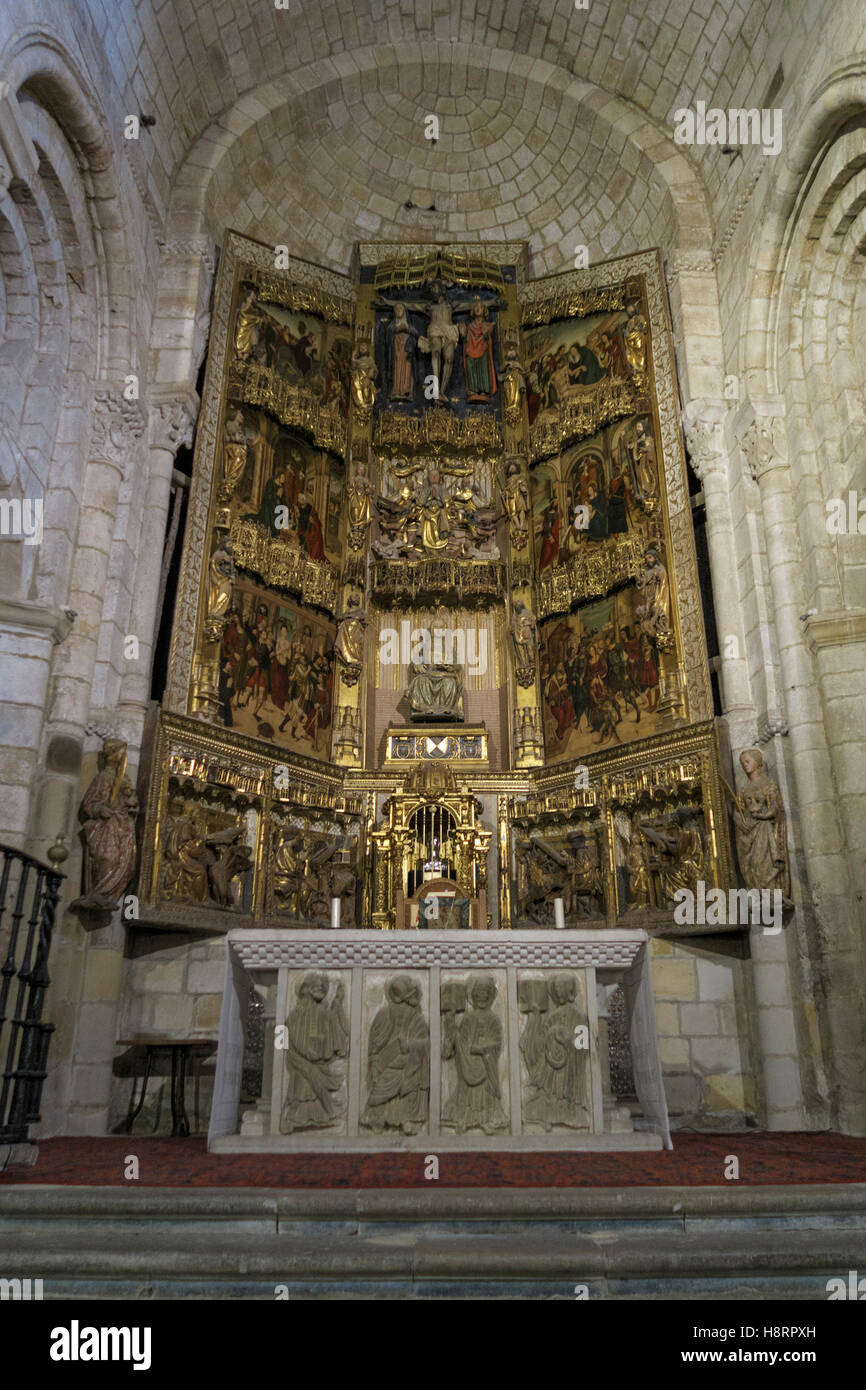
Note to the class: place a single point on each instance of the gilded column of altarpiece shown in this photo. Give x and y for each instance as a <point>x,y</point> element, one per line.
<point>435,444</point>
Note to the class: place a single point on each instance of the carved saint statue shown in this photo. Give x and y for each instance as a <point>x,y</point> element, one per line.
<point>513,387</point>
<point>516,500</point>
<point>557,1070</point>
<point>478,354</point>
<point>653,582</point>
<point>635,340</point>
<point>359,494</point>
<point>234,454</point>
<point>109,808</point>
<point>349,643</point>
<point>221,573</point>
<point>318,1037</point>
<point>642,452</point>
<point>638,873</point>
<point>682,851</point>
<point>248,321</point>
<point>398,1061</point>
<point>524,636</point>
<point>475,1044</point>
<point>435,691</point>
<point>364,372</point>
<point>228,857</point>
<point>401,337</point>
<point>760,829</point>
<point>184,867</point>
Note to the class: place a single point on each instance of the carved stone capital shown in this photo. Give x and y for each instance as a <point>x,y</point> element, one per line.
<point>172,420</point>
<point>117,425</point>
<point>761,438</point>
<point>703,426</point>
<point>771,724</point>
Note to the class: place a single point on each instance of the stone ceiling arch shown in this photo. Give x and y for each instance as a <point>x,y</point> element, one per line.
<point>525,151</point>
<point>787,223</point>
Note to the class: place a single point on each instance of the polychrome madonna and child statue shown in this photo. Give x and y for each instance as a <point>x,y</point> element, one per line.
<point>109,808</point>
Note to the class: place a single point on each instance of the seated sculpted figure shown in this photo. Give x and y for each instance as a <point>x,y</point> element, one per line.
<point>435,692</point>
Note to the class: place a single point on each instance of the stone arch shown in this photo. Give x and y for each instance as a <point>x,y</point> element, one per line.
<point>319,98</point>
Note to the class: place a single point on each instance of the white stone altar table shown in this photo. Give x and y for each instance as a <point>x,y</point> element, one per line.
<point>435,1041</point>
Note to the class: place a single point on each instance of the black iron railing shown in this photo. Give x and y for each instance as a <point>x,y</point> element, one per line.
<point>28,902</point>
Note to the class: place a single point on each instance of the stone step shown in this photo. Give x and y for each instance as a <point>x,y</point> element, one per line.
<point>679,1243</point>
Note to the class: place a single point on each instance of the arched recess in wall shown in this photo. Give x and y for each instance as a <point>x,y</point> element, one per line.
<point>821,365</point>
<point>321,161</point>
<point>804,338</point>
<point>67,213</point>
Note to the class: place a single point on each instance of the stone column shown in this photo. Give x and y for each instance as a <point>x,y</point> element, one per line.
<point>86,966</point>
<point>172,419</point>
<point>703,423</point>
<point>826,930</point>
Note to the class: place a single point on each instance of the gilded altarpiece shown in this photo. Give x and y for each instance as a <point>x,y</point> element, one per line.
<point>438,642</point>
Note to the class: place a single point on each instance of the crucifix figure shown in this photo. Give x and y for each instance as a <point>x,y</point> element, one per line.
<point>443,334</point>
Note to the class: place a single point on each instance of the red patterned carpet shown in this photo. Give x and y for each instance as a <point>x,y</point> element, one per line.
<point>698,1160</point>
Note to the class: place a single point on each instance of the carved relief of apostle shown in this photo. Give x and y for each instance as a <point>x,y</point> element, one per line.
<point>398,1061</point>
<point>558,1074</point>
<point>475,1044</point>
<point>109,808</point>
<point>318,1038</point>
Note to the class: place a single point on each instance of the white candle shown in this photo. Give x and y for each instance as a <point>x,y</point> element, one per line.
<point>558,912</point>
<point>335,912</point>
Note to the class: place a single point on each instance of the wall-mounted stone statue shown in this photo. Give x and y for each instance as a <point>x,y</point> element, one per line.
<point>475,1044</point>
<point>109,808</point>
<point>761,829</point>
<point>555,1092</point>
<point>398,1062</point>
<point>318,1040</point>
